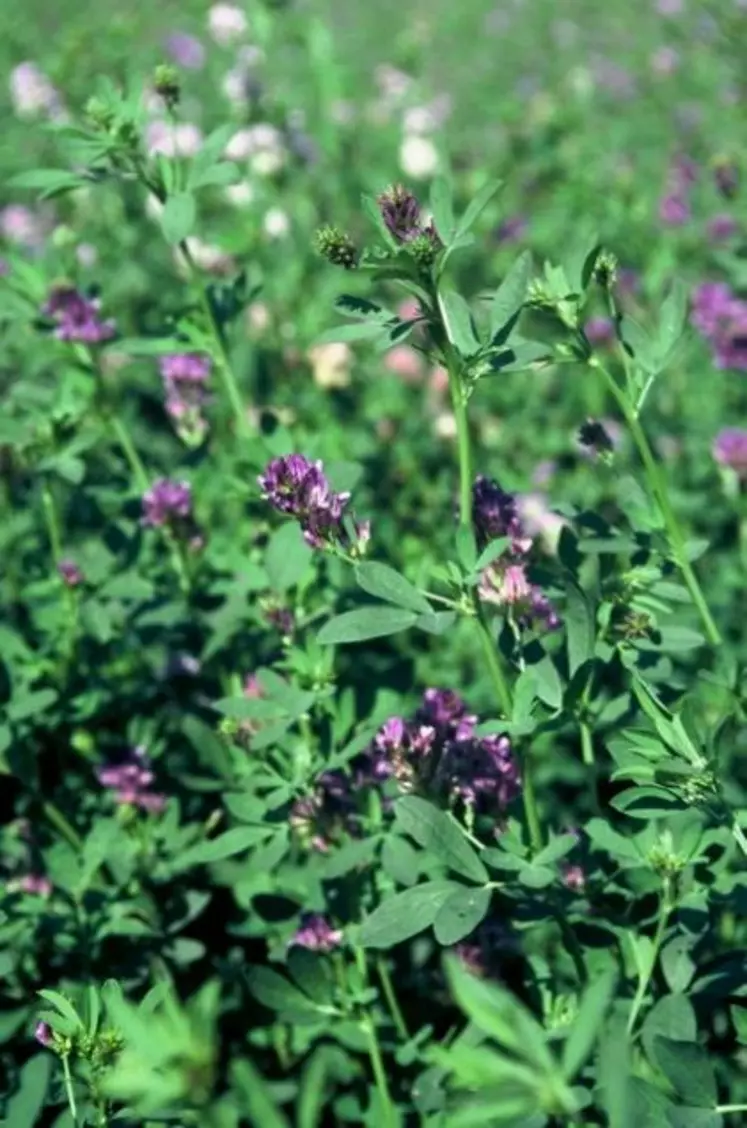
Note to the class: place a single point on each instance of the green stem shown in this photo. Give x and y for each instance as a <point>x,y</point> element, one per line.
<point>391,998</point>
<point>725,1109</point>
<point>379,1072</point>
<point>489,648</point>
<point>69,1093</point>
<point>52,523</point>
<point>657,485</point>
<point>134,461</point>
<point>225,367</point>
<point>665,910</point>
<point>68,832</point>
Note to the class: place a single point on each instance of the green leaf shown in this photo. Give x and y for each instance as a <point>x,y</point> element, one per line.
<point>461,914</point>
<point>439,834</point>
<point>383,582</point>
<point>358,331</point>
<point>376,621</point>
<point>587,1024</point>
<point>63,1005</point>
<point>580,626</point>
<point>312,1095</point>
<point>441,204</point>
<point>312,973</point>
<point>30,703</point>
<point>353,305</point>
<point>458,322</point>
<point>687,1067</point>
<point>491,552</point>
<point>556,849</point>
<point>672,320</point>
<point>466,547</point>
<point>48,181</point>
<point>641,345</point>
<point>694,1118</point>
<point>149,346</point>
<point>614,1078</point>
<point>179,216</point>
<point>670,1017</point>
<point>405,914</point>
<point>677,963</point>
<point>509,298</point>
<point>647,802</point>
<point>287,557</point>
<point>476,207</point>
<point>235,841</point>
<point>210,152</point>
<point>436,622</point>
<point>277,993</point>
<point>605,838</point>
<point>254,1101</point>
<point>399,860</point>
<point>498,1013</point>
<point>24,1106</point>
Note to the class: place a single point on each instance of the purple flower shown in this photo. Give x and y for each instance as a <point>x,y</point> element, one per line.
<point>495,515</point>
<point>599,330</point>
<point>730,450</point>
<point>185,378</point>
<point>721,227</point>
<point>316,934</point>
<point>167,503</point>
<point>512,229</point>
<point>76,317</point>
<point>35,884</point>
<point>185,50</point>
<point>43,1034</point>
<point>574,878</point>
<point>510,588</point>
<point>130,780</point>
<point>721,317</point>
<point>726,177</point>
<point>295,486</point>
<point>674,210</point>
<point>480,772</point>
<point>400,211</point>
<point>70,573</point>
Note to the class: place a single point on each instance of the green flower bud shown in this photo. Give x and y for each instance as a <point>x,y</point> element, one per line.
<point>166,84</point>
<point>337,247</point>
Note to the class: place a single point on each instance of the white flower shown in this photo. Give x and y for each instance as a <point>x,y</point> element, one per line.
<point>234,87</point>
<point>330,364</point>
<point>241,195</point>
<point>267,162</point>
<point>445,425</point>
<point>418,157</point>
<point>31,92</point>
<point>226,23</point>
<point>276,223</point>
<point>182,140</point>
<point>240,146</point>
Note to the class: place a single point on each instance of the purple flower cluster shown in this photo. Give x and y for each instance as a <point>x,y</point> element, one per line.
<point>131,781</point>
<point>674,206</point>
<point>298,487</point>
<point>185,379</point>
<point>35,884</point>
<point>167,503</point>
<point>721,318</point>
<point>402,216</point>
<point>435,753</point>
<point>70,573</point>
<point>505,582</point>
<point>730,450</point>
<point>316,934</point>
<point>76,317</point>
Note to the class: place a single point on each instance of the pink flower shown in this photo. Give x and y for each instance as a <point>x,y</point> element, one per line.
<point>405,362</point>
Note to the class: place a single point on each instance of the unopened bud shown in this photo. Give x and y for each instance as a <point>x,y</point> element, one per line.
<point>337,247</point>
<point>166,84</point>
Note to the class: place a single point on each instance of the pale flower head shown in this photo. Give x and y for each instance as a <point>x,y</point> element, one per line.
<point>31,92</point>
<point>276,224</point>
<point>181,140</point>
<point>331,364</point>
<point>241,195</point>
<point>226,23</point>
<point>418,157</point>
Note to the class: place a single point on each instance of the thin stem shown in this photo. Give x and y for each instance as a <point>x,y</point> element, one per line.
<point>69,1093</point>
<point>379,1072</point>
<point>657,485</point>
<point>492,660</point>
<point>225,367</point>
<point>731,1108</point>
<point>52,523</point>
<point>134,461</point>
<point>665,910</point>
<point>67,831</point>
<point>391,998</point>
